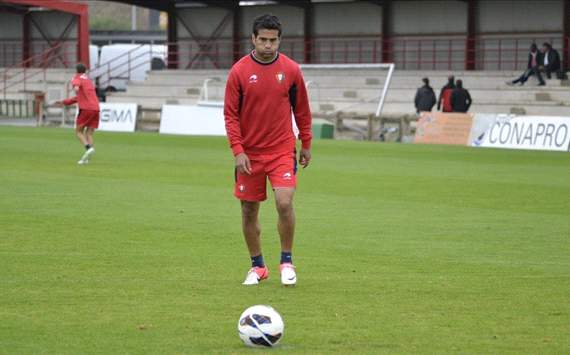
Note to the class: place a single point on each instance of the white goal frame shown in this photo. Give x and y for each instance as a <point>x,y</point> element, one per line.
<point>389,66</point>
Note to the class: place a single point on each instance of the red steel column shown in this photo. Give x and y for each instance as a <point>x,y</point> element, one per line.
<point>387,56</point>
<point>470,43</point>
<point>83,37</point>
<point>172,39</point>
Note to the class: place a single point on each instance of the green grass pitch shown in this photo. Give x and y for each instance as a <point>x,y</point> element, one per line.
<point>399,249</point>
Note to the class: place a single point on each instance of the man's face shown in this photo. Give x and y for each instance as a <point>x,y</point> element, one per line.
<point>266,43</point>
<point>544,49</point>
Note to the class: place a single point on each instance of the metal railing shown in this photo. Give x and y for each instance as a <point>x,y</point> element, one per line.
<point>20,75</point>
<point>455,52</point>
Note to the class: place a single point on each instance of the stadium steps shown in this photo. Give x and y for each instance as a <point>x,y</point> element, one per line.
<point>357,91</point>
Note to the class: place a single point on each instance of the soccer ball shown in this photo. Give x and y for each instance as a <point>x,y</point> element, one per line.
<point>260,326</point>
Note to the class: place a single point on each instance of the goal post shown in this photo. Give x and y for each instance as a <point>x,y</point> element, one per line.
<point>389,67</point>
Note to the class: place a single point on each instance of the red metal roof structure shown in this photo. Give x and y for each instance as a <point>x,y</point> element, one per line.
<point>80,12</point>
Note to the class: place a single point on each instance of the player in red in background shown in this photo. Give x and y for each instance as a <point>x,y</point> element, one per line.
<point>262,91</point>
<point>88,118</point>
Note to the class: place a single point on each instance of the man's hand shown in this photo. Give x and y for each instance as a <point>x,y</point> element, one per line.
<point>243,165</point>
<point>304,157</point>
<point>58,104</point>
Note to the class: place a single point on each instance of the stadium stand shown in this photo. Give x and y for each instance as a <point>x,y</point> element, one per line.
<point>357,91</point>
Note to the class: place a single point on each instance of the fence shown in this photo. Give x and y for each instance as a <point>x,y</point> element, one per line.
<point>491,52</point>
<point>17,109</point>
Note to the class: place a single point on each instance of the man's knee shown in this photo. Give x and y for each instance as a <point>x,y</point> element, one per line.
<point>249,210</point>
<point>284,206</point>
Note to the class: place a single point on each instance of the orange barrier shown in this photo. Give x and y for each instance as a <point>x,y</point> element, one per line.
<point>443,128</point>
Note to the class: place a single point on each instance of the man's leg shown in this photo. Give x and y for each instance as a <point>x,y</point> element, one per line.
<point>286,228</point>
<point>536,72</point>
<point>286,221</point>
<point>80,133</point>
<point>250,226</point>
<point>252,234</point>
<point>89,131</point>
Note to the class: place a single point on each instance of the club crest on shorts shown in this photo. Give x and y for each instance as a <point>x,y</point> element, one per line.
<point>287,176</point>
<point>241,188</point>
<point>280,77</point>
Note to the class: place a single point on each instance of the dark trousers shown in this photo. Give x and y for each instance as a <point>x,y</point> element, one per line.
<point>527,74</point>
<point>549,70</point>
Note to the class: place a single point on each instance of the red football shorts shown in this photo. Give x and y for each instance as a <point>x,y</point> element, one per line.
<point>87,118</point>
<point>281,169</point>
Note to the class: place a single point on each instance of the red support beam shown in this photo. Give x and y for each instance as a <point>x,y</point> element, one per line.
<point>26,39</point>
<point>471,41</point>
<point>172,39</point>
<point>308,32</point>
<point>566,35</point>
<point>387,55</point>
<point>80,10</point>
<point>83,38</point>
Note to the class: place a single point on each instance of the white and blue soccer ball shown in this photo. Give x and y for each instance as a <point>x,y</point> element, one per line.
<point>260,326</point>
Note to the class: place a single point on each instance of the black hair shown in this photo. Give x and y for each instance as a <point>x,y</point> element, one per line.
<point>459,83</point>
<point>80,68</point>
<point>533,47</point>
<point>547,45</point>
<point>426,81</point>
<point>266,22</point>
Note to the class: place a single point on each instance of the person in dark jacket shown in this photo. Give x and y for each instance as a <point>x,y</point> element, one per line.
<point>425,97</point>
<point>534,62</point>
<point>445,95</point>
<point>550,60</point>
<point>460,98</point>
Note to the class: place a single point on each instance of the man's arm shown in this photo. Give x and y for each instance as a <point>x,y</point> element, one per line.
<point>232,102</point>
<point>302,112</point>
<point>469,101</point>
<point>69,101</point>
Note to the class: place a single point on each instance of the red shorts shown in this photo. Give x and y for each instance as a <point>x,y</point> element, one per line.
<point>87,118</point>
<point>281,169</point>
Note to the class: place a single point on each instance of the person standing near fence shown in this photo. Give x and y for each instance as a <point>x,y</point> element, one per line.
<point>88,118</point>
<point>444,101</point>
<point>425,97</point>
<point>460,98</point>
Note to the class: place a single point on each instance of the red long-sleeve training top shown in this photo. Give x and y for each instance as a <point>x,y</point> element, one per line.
<point>258,103</point>
<point>86,96</point>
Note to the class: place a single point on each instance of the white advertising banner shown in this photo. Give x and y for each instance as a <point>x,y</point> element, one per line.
<point>193,120</point>
<point>521,132</point>
<point>117,117</point>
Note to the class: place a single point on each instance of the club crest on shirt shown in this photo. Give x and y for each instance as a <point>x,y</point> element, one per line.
<point>253,79</point>
<point>280,77</point>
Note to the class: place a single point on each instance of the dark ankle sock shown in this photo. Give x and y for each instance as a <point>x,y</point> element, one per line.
<point>286,257</point>
<point>257,261</point>
<point>87,146</point>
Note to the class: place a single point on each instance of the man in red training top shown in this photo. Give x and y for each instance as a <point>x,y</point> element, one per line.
<point>88,118</point>
<point>262,91</point>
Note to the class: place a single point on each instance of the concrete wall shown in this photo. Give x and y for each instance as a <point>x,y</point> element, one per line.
<point>520,16</point>
<point>347,19</point>
<point>429,17</point>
